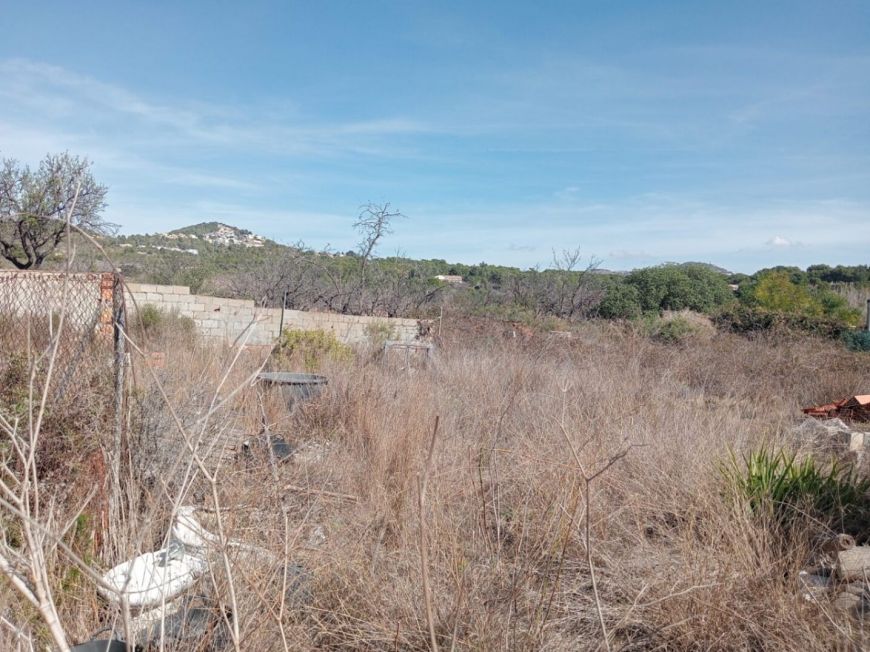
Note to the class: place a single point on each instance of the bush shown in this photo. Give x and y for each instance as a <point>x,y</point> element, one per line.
<point>680,287</point>
<point>675,330</point>
<point>775,484</point>
<point>745,319</point>
<point>157,322</point>
<point>312,347</point>
<point>778,292</point>
<point>379,332</point>
<point>857,340</point>
<point>150,317</point>
<point>621,301</point>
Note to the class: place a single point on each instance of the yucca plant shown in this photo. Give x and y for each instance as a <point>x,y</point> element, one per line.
<point>775,483</point>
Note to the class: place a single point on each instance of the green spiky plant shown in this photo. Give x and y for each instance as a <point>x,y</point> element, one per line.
<point>777,484</point>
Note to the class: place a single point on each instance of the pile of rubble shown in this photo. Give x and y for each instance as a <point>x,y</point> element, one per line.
<point>839,425</point>
<point>833,434</point>
<point>842,572</point>
<point>843,577</point>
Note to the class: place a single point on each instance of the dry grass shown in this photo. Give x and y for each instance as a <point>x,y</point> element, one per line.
<point>677,565</point>
<point>856,295</point>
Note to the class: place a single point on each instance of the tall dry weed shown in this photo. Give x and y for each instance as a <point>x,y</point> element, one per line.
<point>677,566</point>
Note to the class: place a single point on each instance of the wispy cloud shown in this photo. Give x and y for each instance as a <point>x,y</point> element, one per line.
<point>35,92</point>
<point>634,166</point>
<point>645,230</point>
<point>781,242</point>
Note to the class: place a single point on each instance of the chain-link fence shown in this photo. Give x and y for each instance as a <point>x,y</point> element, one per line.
<point>77,314</point>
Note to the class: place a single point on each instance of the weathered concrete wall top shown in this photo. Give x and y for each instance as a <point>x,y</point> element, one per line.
<point>227,319</point>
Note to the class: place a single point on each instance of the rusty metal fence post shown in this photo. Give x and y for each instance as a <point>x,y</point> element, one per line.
<point>119,328</point>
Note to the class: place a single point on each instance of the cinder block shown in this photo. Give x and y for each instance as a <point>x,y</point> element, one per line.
<point>142,288</point>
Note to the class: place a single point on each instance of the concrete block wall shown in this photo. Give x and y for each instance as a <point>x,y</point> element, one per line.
<point>227,319</point>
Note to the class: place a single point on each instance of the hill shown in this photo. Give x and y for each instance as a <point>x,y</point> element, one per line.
<point>223,260</point>
<point>218,233</point>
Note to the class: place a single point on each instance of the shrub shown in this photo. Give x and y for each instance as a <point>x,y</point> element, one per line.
<point>312,346</point>
<point>675,330</point>
<point>857,340</point>
<point>744,319</point>
<point>379,332</point>
<point>158,322</point>
<point>749,319</point>
<point>776,484</point>
<point>778,292</point>
<point>621,301</point>
<point>680,287</point>
<point>151,317</point>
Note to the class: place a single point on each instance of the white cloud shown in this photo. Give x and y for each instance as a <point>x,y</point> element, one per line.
<point>781,242</point>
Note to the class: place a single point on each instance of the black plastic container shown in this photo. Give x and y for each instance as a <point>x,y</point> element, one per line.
<point>295,387</point>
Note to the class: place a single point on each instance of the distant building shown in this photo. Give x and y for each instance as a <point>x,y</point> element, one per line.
<point>453,279</point>
<point>228,235</point>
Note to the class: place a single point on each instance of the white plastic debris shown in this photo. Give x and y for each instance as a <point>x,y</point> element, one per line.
<point>190,531</point>
<point>153,578</point>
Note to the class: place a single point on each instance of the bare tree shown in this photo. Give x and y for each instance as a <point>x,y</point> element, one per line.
<point>34,203</point>
<point>576,292</point>
<point>373,224</point>
<point>564,291</point>
<point>400,290</point>
<point>345,288</point>
<point>287,280</point>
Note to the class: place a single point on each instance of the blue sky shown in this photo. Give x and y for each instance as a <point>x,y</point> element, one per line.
<point>731,132</point>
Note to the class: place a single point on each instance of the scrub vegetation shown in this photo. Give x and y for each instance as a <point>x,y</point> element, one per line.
<point>822,300</point>
<point>624,488</point>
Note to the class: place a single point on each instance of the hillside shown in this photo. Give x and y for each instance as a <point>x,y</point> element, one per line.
<point>222,260</point>
<point>204,228</point>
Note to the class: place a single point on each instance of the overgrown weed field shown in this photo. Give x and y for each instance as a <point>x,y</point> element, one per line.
<point>574,498</point>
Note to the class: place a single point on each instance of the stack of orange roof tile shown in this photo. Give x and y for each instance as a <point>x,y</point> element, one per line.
<point>853,408</point>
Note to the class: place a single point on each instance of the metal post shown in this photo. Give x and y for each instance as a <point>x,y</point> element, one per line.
<point>868,315</point>
<point>283,308</point>
<point>119,321</point>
